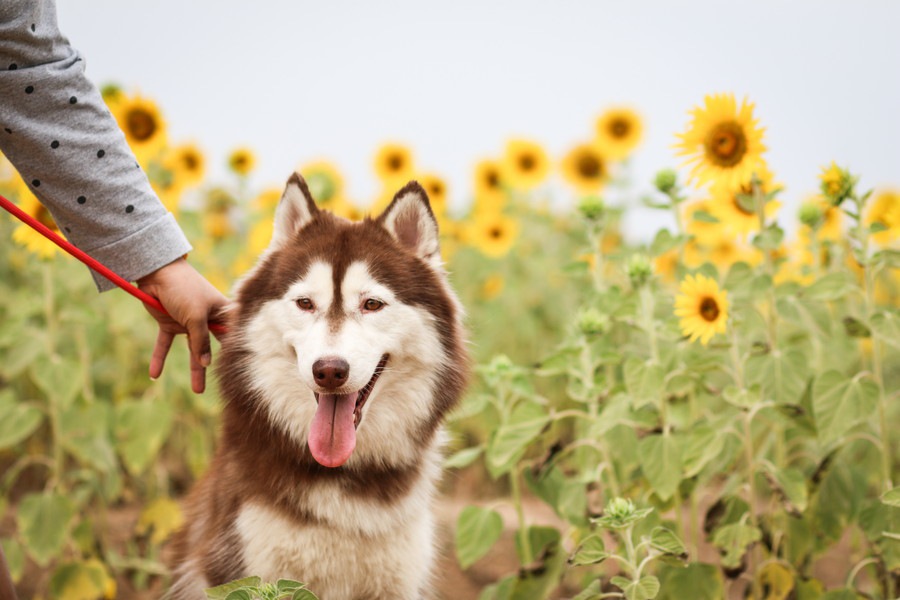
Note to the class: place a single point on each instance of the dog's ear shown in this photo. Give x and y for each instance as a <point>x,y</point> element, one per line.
<point>411,222</point>
<point>295,210</point>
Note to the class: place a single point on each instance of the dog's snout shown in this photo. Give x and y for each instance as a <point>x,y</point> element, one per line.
<point>331,373</point>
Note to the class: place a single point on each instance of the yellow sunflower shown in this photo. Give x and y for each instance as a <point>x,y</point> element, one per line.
<point>525,164</point>
<point>488,183</point>
<point>584,168</point>
<point>187,163</point>
<point>700,223</point>
<point>142,123</point>
<point>492,234</point>
<point>619,131</point>
<point>436,188</point>
<point>23,234</point>
<point>267,201</point>
<point>885,209</point>
<point>836,183</point>
<point>723,141</point>
<point>343,207</point>
<point>732,207</point>
<point>242,161</point>
<point>702,308</point>
<point>394,163</point>
<point>324,180</point>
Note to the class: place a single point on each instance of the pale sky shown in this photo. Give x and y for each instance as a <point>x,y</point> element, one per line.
<point>455,79</point>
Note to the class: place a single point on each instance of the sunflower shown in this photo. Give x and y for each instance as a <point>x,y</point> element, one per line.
<point>187,163</point>
<point>733,207</point>
<point>488,183</point>
<point>267,200</point>
<point>701,224</point>
<point>393,163</point>
<point>343,207</point>
<point>324,180</point>
<point>885,209</point>
<point>436,188</point>
<point>142,123</point>
<point>584,168</point>
<point>23,234</point>
<point>702,308</point>
<point>492,234</point>
<point>723,141</point>
<point>242,161</point>
<point>525,164</point>
<point>619,131</point>
<point>836,183</point>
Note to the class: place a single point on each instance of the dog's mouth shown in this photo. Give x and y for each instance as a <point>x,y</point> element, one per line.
<point>332,433</point>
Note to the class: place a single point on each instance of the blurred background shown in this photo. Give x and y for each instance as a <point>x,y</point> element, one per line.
<point>299,81</point>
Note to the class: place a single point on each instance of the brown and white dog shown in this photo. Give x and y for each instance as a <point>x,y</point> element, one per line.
<point>345,351</point>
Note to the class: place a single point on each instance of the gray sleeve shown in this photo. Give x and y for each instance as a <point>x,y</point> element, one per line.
<point>58,133</point>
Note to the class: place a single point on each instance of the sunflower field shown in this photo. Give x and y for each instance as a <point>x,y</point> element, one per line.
<point>706,413</point>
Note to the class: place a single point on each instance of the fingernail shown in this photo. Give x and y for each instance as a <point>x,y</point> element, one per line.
<point>152,378</point>
<point>205,359</point>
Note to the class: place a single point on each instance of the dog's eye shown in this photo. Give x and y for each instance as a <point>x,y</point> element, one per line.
<point>305,304</point>
<point>372,305</point>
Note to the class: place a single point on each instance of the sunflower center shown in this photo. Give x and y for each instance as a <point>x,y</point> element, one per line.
<point>619,128</point>
<point>709,309</point>
<point>527,162</point>
<point>726,144</point>
<point>395,162</point>
<point>141,124</point>
<point>495,233</point>
<point>589,166</point>
<point>44,218</point>
<point>492,178</point>
<point>190,161</point>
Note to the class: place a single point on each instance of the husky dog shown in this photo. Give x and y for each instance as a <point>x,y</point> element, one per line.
<point>344,352</point>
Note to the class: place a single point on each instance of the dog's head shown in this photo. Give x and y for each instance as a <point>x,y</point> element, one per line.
<point>349,332</point>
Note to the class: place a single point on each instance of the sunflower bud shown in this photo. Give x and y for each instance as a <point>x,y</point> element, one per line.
<point>836,184</point>
<point>811,215</point>
<point>591,321</point>
<point>592,207</point>
<point>620,512</point>
<point>639,270</point>
<point>666,180</point>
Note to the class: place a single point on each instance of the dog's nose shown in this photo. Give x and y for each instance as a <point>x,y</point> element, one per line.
<point>331,373</point>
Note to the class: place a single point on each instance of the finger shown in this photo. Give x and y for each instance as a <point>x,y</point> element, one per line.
<point>198,376</point>
<point>160,351</point>
<point>198,341</point>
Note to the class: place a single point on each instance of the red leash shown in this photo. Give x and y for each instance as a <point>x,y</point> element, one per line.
<point>89,260</point>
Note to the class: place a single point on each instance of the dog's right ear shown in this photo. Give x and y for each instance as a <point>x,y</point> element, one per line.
<point>295,210</point>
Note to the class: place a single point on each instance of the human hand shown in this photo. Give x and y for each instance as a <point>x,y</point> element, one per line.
<point>191,302</point>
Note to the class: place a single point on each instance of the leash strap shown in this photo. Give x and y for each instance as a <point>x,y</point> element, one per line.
<point>89,260</point>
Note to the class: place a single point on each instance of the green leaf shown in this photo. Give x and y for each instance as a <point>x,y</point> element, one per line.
<point>477,529</point>
<point>591,552</point>
<point>886,327</point>
<point>842,594</point>
<point>697,581</point>
<point>141,428</point>
<point>783,374</point>
<point>29,346</point>
<point>667,542</point>
<point>769,238</point>
<point>831,287</point>
<point>839,403</point>
<point>511,439</point>
<point>644,382</point>
<point>17,420</point>
<point>15,558</point>
<point>663,242</point>
<point>592,592</point>
<point>790,485</point>
<point>660,457</point>
<point>463,458</point>
<point>60,379</point>
<point>645,589</point>
<point>892,497</point>
<point>734,540</point>
<point>240,594</point>
<point>304,594</point>
<point>221,591</point>
<point>288,585</point>
<point>85,433</point>
<point>43,521</point>
<point>702,445</point>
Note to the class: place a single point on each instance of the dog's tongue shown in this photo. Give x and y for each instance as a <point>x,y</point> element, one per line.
<point>332,434</point>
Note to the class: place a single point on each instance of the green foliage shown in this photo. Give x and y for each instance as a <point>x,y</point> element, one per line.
<point>253,588</point>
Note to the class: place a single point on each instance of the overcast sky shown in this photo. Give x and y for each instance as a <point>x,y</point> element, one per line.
<point>455,79</point>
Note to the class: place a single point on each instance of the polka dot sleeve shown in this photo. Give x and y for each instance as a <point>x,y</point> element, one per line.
<point>60,136</point>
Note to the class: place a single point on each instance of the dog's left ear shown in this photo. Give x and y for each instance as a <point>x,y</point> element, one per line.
<point>411,222</point>
<point>295,210</point>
